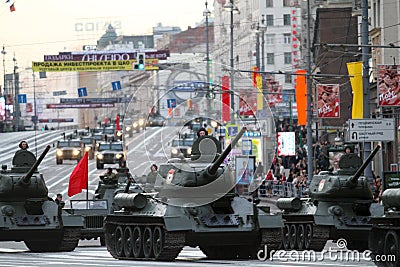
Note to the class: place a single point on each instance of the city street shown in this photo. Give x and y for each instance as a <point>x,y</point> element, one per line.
<point>90,253</point>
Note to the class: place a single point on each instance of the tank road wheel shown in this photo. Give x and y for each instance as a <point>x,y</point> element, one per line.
<point>292,236</point>
<point>392,248</point>
<point>128,242</point>
<point>147,242</point>
<point>119,241</point>
<point>300,236</point>
<point>137,242</point>
<point>308,233</point>
<point>158,241</point>
<point>286,241</point>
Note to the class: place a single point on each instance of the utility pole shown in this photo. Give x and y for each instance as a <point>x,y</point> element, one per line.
<point>207,13</point>
<point>365,80</point>
<point>16,91</point>
<point>310,152</point>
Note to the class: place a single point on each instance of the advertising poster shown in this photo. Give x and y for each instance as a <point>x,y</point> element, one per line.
<point>248,103</point>
<point>388,85</point>
<point>286,144</point>
<point>245,169</point>
<point>328,101</point>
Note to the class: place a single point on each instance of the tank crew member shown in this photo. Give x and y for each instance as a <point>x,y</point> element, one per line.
<point>152,175</point>
<point>110,176</point>
<point>23,145</point>
<point>202,132</point>
<point>348,150</point>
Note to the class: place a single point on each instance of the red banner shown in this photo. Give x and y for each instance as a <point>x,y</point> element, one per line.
<point>388,85</point>
<point>226,106</point>
<point>328,101</point>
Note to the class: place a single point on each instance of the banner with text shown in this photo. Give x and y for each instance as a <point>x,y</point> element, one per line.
<point>78,66</point>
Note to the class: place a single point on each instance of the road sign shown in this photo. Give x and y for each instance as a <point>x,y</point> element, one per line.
<point>21,98</point>
<point>171,103</point>
<point>58,93</point>
<point>232,130</point>
<point>247,147</point>
<point>116,85</point>
<point>110,100</point>
<point>82,91</point>
<point>368,130</point>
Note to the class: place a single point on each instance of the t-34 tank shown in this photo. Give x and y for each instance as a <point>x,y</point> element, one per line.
<point>338,207</point>
<point>28,214</point>
<point>196,205</point>
<point>384,239</point>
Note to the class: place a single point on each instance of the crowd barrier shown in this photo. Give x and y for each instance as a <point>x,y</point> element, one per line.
<point>282,189</point>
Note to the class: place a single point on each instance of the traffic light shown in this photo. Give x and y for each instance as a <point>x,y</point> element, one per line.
<point>141,61</point>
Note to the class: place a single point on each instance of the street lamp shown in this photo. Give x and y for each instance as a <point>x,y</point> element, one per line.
<point>232,9</point>
<point>207,13</point>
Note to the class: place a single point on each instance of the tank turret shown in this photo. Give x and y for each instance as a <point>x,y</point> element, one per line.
<point>23,181</point>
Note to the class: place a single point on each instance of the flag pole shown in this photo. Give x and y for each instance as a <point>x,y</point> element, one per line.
<point>87,183</point>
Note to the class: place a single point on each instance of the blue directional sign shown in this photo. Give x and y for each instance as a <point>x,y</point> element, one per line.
<point>232,129</point>
<point>82,92</point>
<point>171,103</point>
<point>116,85</point>
<point>21,98</point>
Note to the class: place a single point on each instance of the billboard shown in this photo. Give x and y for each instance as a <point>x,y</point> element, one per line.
<point>100,65</point>
<point>388,85</point>
<point>328,101</point>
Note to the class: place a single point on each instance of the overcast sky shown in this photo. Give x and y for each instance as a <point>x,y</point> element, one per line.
<point>39,27</point>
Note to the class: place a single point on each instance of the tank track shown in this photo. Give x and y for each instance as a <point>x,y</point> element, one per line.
<point>172,245</point>
<point>69,242</point>
<point>272,238</point>
<point>320,237</point>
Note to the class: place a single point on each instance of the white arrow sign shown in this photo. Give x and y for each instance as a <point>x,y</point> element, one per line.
<point>368,130</point>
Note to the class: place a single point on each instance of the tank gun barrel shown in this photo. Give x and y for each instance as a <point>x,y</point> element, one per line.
<point>214,167</point>
<point>27,177</point>
<point>360,171</point>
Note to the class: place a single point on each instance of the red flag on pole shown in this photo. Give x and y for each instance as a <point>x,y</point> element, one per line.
<point>79,177</point>
<point>12,7</point>
<point>117,123</point>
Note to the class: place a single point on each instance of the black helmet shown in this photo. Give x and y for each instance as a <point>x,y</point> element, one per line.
<point>202,129</point>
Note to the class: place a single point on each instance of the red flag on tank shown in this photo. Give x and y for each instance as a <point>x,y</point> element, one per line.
<point>79,177</point>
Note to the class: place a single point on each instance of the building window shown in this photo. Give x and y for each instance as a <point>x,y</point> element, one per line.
<point>286,19</point>
<point>270,58</point>
<point>290,3</point>
<point>269,3</point>
<point>288,57</point>
<point>286,38</point>
<point>269,39</point>
<point>288,78</point>
<point>270,20</point>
